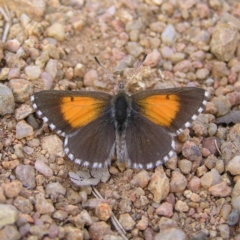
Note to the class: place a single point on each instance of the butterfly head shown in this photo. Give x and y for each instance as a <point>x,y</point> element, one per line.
<point>121,86</point>
<point>122,83</point>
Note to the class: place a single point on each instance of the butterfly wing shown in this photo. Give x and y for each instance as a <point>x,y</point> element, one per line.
<point>147,144</point>
<point>84,118</point>
<point>67,111</point>
<point>173,108</point>
<point>94,144</point>
<point>154,115</point>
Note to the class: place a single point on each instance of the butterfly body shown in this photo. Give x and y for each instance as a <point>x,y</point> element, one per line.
<point>138,127</point>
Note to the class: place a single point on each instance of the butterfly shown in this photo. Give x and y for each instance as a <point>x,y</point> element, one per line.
<point>138,128</point>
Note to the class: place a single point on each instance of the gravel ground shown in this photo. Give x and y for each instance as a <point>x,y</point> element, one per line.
<point>51,44</point>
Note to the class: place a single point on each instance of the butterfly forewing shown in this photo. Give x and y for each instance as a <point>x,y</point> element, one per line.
<point>67,111</point>
<point>173,108</point>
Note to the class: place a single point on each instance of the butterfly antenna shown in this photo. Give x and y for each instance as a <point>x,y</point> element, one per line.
<point>105,70</point>
<point>138,66</point>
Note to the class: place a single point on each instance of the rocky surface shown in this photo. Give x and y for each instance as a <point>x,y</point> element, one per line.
<point>52,45</point>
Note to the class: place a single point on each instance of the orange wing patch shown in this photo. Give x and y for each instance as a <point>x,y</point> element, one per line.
<point>79,111</point>
<point>160,109</point>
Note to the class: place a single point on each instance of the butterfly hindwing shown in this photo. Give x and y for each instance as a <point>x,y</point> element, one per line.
<point>148,145</point>
<point>173,108</point>
<point>94,144</point>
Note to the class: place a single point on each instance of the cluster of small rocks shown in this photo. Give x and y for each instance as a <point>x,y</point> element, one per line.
<point>51,45</point>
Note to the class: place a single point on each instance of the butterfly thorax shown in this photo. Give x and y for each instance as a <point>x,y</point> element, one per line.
<point>121,109</point>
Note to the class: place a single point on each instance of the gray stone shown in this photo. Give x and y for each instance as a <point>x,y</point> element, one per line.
<point>169,34</point>
<point>43,168</point>
<point>26,174</point>
<point>55,188</point>
<point>7,103</point>
<point>171,233</point>
<point>23,130</point>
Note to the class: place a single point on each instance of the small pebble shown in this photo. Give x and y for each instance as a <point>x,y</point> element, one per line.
<point>185,166</point>
<point>23,111</point>
<point>98,230</point>
<point>236,195</point>
<point>224,231</point>
<point>103,211</point>
<point>47,80</point>
<point>73,197</point>
<point>55,188</point>
<point>183,66</point>
<point>222,105</point>
<point>90,77</point>
<point>169,34</point>
<point>23,130</point>
<point>4,73</point>
<point>7,103</point>
<point>53,144</point>
<point>178,182</point>
<point>171,233</point>
<point>26,174</point>
<point>210,178</point>
<point>153,59</point>
<point>220,190</point>
<point>141,179</point>
<point>165,209</point>
<point>22,89</point>
<point>9,232</point>
<point>8,215</point>
<point>126,221</point>
<point>28,150</point>
<point>234,166</point>
<point>181,206</point>
<point>143,223</point>
<point>210,144</point>
<point>23,204</point>
<point>202,73</point>
<point>12,189</point>
<point>43,168</point>
<point>177,57</point>
<point>210,161</point>
<point>57,31</point>
<point>191,151</point>
<point>233,217</point>
<point>224,41</point>
<point>51,68</point>
<point>159,186</point>
<point>12,45</point>
<point>60,215</point>
<point>134,49</point>
<point>33,72</point>
<point>43,206</point>
<point>194,184</point>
